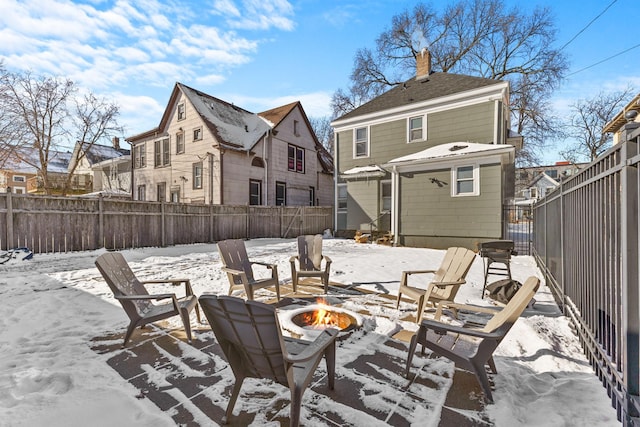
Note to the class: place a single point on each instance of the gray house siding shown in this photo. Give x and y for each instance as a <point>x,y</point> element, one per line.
<point>431,217</point>
<point>363,209</point>
<point>474,123</point>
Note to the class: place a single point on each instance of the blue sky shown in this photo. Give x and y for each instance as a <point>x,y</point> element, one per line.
<point>260,54</point>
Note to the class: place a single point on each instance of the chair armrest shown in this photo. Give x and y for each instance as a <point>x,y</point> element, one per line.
<point>442,328</point>
<point>174,282</point>
<point>327,259</point>
<point>143,297</point>
<point>325,339</point>
<point>293,258</point>
<point>232,271</point>
<point>418,272</point>
<point>266,264</point>
<point>457,282</point>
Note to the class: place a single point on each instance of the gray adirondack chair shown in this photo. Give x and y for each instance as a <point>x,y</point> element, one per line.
<point>444,283</point>
<point>251,339</point>
<point>137,302</point>
<point>309,261</point>
<point>472,348</point>
<point>239,269</point>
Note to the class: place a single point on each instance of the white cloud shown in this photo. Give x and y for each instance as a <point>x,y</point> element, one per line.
<point>258,14</point>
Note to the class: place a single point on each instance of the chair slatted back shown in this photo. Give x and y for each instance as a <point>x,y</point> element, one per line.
<point>510,313</point>
<point>454,267</point>
<point>249,334</point>
<point>233,254</point>
<point>122,281</point>
<point>310,252</point>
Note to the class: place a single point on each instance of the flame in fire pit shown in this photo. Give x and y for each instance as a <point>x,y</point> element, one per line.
<point>323,318</point>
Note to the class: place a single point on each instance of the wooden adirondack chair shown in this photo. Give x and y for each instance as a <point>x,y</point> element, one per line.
<point>137,302</point>
<point>472,348</point>
<point>239,269</point>
<point>251,339</point>
<point>444,284</point>
<point>309,260</point>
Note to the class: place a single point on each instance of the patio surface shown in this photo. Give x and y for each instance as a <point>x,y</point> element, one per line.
<point>192,382</point>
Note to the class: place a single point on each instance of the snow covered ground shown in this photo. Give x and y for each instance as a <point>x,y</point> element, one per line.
<point>53,305</point>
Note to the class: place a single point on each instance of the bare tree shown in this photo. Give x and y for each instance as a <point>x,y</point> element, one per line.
<point>588,118</point>
<point>474,37</point>
<point>46,117</point>
<point>324,132</point>
<point>91,120</point>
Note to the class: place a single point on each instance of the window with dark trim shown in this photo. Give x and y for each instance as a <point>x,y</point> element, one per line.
<point>255,192</point>
<point>312,196</point>
<point>139,155</point>
<point>281,194</point>
<point>161,152</point>
<point>179,142</point>
<point>295,159</point>
<point>182,114</point>
<point>142,192</point>
<point>197,175</point>
<point>162,192</point>
<point>197,134</point>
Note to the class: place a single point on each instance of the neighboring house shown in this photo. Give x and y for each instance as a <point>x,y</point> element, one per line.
<point>628,114</point>
<point>104,167</point>
<point>19,171</point>
<point>559,171</point>
<point>431,160</point>
<point>206,150</point>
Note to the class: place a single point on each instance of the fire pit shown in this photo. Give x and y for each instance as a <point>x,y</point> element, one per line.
<point>309,321</point>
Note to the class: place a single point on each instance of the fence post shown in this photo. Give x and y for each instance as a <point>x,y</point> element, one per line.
<point>563,274</point>
<point>630,294</point>
<point>9,220</point>
<point>163,236</point>
<point>100,220</point>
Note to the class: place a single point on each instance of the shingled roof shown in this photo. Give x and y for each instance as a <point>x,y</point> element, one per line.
<point>433,86</point>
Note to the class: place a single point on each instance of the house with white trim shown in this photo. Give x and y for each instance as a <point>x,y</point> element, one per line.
<point>431,161</point>
<point>209,151</point>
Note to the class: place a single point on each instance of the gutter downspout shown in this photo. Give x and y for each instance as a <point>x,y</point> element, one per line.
<point>395,187</point>
<point>210,177</point>
<point>221,175</point>
<point>266,168</point>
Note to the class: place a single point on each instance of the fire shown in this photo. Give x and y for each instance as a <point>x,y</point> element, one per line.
<point>324,317</point>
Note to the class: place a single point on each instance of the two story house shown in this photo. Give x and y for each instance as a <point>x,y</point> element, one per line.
<point>431,160</point>
<point>106,167</point>
<point>209,151</point>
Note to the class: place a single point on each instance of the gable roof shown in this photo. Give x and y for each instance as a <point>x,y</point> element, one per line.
<point>276,115</point>
<point>23,159</point>
<point>97,153</point>
<point>412,91</point>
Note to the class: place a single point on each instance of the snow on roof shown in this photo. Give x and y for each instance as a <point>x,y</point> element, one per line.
<point>363,169</point>
<point>96,153</point>
<point>25,159</point>
<point>229,123</point>
<point>451,149</point>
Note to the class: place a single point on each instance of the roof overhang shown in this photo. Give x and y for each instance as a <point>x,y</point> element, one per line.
<point>363,172</point>
<point>453,154</point>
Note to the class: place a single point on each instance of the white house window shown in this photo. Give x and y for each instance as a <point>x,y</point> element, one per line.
<point>361,143</point>
<point>197,134</point>
<point>139,155</point>
<point>385,191</point>
<point>534,192</point>
<point>161,152</point>
<point>281,194</point>
<point>162,192</point>
<point>19,178</point>
<point>296,159</point>
<point>179,142</point>
<point>415,129</point>
<point>181,112</point>
<point>197,175</point>
<point>466,181</point>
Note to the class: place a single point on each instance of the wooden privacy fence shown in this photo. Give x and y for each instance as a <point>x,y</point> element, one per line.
<point>62,224</point>
<point>586,243</point>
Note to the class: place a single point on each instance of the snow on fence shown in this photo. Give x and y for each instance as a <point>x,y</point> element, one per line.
<point>586,243</point>
<point>47,224</point>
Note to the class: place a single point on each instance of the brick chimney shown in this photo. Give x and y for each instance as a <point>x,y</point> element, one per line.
<point>423,64</point>
<point>116,142</point>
